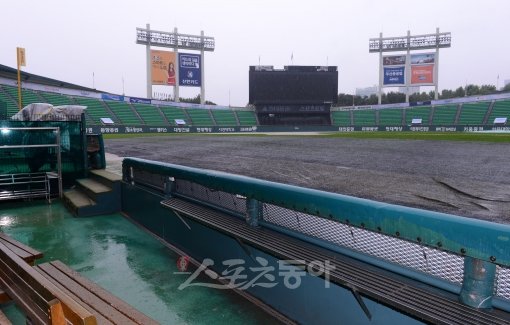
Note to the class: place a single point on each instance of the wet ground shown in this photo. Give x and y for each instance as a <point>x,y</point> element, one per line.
<point>125,260</point>
<point>464,178</point>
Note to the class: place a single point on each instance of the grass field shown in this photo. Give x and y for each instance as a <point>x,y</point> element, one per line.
<point>440,136</point>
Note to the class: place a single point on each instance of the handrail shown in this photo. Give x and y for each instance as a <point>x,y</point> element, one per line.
<point>459,235</point>
<point>56,145</point>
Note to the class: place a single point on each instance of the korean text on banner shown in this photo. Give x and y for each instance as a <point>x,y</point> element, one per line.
<point>163,67</point>
<point>394,76</point>
<point>189,70</point>
<point>422,74</point>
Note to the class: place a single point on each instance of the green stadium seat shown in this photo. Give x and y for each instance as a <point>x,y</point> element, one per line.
<point>246,118</point>
<point>12,107</point>
<point>390,117</point>
<point>95,109</point>
<point>418,112</point>
<point>150,114</point>
<point>27,96</point>
<point>124,112</point>
<point>224,117</point>
<point>500,109</point>
<point>173,113</point>
<point>200,117</point>
<point>341,118</point>
<point>444,115</point>
<point>473,113</point>
<point>364,117</point>
<point>57,99</point>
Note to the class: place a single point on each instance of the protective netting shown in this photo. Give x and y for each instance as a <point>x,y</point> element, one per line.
<point>225,200</point>
<point>428,260</point>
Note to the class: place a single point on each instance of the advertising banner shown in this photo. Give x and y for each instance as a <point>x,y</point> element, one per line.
<point>394,60</point>
<point>138,100</point>
<point>112,97</point>
<point>394,76</point>
<point>189,70</point>
<point>423,58</point>
<point>422,74</point>
<point>163,67</point>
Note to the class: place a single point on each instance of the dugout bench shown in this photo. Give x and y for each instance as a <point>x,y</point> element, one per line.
<point>52,293</point>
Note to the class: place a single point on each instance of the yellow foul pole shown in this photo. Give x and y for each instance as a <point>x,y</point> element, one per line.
<point>20,58</point>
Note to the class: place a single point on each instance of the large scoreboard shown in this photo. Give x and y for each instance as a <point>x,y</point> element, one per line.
<point>293,85</point>
<point>294,95</point>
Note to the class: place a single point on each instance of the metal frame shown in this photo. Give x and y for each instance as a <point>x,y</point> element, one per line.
<point>438,231</point>
<point>56,145</point>
<point>409,43</point>
<point>202,43</point>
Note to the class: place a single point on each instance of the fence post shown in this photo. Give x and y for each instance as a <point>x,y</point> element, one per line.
<point>253,212</point>
<point>478,283</point>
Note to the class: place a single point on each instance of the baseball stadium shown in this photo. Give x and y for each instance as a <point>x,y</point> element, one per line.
<point>294,209</point>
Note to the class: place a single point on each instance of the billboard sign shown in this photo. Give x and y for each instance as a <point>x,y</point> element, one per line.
<point>394,76</point>
<point>423,58</point>
<point>189,70</point>
<point>422,74</point>
<point>137,100</point>
<point>394,60</point>
<point>163,67</point>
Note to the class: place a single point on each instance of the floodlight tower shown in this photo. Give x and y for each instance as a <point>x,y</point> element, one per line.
<point>176,41</point>
<point>402,70</point>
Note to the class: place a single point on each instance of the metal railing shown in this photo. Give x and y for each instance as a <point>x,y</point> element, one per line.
<point>19,179</point>
<point>439,249</point>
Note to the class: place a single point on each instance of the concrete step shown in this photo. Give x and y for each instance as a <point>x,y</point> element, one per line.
<point>105,177</point>
<point>78,199</point>
<point>106,174</point>
<point>93,185</point>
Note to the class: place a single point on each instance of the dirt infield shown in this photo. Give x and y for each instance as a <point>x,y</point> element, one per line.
<point>464,178</point>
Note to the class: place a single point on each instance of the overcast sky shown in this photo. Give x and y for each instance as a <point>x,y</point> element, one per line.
<point>71,40</point>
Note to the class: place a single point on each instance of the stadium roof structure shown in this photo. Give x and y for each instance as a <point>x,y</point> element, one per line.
<point>12,73</point>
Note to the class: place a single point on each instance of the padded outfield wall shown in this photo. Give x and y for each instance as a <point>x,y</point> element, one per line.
<point>94,129</point>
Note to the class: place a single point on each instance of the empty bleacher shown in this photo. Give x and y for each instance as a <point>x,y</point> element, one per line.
<point>150,114</point>
<point>11,105</point>
<point>246,118</point>
<point>124,112</point>
<point>390,116</point>
<point>224,117</point>
<point>95,109</point>
<point>500,109</point>
<point>57,99</point>
<point>422,113</point>
<point>341,118</point>
<point>473,113</point>
<point>173,113</point>
<point>364,117</point>
<point>200,117</point>
<point>444,115</point>
<point>27,96</point>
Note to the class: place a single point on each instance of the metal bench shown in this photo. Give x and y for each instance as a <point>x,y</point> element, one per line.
<point>363,280</point>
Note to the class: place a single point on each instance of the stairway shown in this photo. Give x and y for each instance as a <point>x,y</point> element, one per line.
<point>97,195</point>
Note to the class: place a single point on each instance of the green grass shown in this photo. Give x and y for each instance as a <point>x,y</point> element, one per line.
<point>444,136</point>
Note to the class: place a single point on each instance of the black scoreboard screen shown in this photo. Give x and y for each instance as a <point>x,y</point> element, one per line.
<point>293,84</point>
